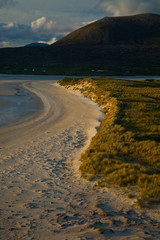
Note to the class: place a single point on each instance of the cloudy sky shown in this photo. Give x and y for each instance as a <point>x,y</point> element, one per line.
<point>26,21</point>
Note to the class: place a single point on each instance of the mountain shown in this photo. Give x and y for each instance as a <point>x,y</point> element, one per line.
<point>138,29</point>
<point>37,44</point>
<point>111,46</point>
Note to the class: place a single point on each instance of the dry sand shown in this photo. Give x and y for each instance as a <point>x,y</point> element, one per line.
<point>41,193</point>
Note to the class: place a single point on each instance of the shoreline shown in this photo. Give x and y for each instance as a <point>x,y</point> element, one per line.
<point>57,77</point>
<point>90,133</point>
<point>37,171</point>
<point>42,194</point>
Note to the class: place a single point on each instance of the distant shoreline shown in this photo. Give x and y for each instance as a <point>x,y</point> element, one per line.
<point>18,76</point>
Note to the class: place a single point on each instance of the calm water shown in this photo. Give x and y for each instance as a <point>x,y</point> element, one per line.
<point>16,103</point>
<point>58,77</point>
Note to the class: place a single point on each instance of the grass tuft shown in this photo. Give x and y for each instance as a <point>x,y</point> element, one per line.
<point>126,150</point>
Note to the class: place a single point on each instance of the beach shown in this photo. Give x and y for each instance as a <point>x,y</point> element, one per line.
<point>41,192</point>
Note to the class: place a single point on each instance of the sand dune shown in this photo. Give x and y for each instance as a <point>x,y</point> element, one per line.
<point>41,193</point>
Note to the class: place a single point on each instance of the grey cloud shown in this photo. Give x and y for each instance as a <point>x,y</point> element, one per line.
<point>21,34</point>
<point>14,31</point>
<point>4,3</point>
<point>129,7</point>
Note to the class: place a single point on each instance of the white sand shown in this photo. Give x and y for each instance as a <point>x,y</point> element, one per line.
<point>41,193</point>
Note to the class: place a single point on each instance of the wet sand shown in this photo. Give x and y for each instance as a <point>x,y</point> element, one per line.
<point>41,192</point>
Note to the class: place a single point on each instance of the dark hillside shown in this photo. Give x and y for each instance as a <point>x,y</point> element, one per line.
<point>130,30</point>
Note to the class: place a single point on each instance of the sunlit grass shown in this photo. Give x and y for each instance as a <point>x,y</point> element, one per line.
<point>126,150</point>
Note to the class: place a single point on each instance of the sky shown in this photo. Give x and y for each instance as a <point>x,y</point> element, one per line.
<point>26,21</point>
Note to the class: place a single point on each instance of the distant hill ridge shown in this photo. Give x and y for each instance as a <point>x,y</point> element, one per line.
<point>130,30</point>
<point>37,44</point>
<point>127,45</point>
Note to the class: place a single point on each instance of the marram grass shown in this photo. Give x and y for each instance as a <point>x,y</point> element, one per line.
<point>126,150</point>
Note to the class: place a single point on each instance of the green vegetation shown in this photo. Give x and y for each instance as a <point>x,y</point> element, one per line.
<point>126,150</point>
